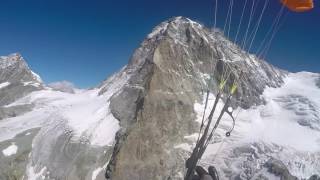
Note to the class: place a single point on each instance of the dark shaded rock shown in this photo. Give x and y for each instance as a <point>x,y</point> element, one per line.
<point>314,177</point>
<point>124,105</point>
<point>277,168</point>
<point>15,91</point>
<point>318,82</point>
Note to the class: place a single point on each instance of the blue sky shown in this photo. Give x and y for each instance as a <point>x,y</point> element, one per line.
<point>84,41</point>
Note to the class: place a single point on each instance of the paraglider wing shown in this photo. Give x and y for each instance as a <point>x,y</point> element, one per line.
<point>298,5</point>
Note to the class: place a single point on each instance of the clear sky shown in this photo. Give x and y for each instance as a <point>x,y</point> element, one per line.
<point>84,41</point>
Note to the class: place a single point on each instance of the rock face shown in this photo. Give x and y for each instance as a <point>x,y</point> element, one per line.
<point>170,72</point>
<point>279,169</point>
<point>318,82</point>
<point>314,177</point>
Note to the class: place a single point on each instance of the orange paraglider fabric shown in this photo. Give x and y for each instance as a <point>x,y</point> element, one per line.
<point>298,5</point>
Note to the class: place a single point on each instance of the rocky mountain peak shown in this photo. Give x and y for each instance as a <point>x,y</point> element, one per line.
<point>172,69</point>
<point>11,60</point>
<point>183,30</point>
<point>15,69</point>
<point>16,78</point>
<point>206,54</point>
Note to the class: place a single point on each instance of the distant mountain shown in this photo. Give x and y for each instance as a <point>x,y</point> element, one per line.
<point>16,78</point>
<point>16,81</point>
<point>142,122</point>
<point>15,69</point>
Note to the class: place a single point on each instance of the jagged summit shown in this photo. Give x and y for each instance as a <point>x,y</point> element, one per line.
<point>177,25</point>
<point>16,78</point>
<point>11,60</point>
<point>15,69</point>
<point>205,50</point>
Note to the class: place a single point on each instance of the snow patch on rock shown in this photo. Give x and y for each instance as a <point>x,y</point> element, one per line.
<point>97,171</point>
<point>31,83</point>
<point>10,150</point>
<point>37,77</point>
<point>4,84</point>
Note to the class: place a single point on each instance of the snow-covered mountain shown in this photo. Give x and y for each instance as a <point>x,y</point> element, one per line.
<point>16,78</point>
<point>142,122</point>
<point>16,81</point>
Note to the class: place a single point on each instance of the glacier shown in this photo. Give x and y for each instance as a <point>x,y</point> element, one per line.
<point>274,125</point>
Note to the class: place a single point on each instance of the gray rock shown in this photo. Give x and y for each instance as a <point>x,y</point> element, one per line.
<point>318,82</point>
<point>13,167</point>
<point>314,177</point>
<point>64,158</point>
<point>13,111</point>
<point>14,69</point>
<point>277,168</point>
<point>15,91</point>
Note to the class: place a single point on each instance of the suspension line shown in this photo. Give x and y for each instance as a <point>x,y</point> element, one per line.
<point>258,24</point>
<point>241,18</point>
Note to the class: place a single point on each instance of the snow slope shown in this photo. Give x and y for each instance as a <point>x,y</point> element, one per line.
<point>271,130</point>
<point>85,112</point>
<point>279,120</point>
<point>81,121</point>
